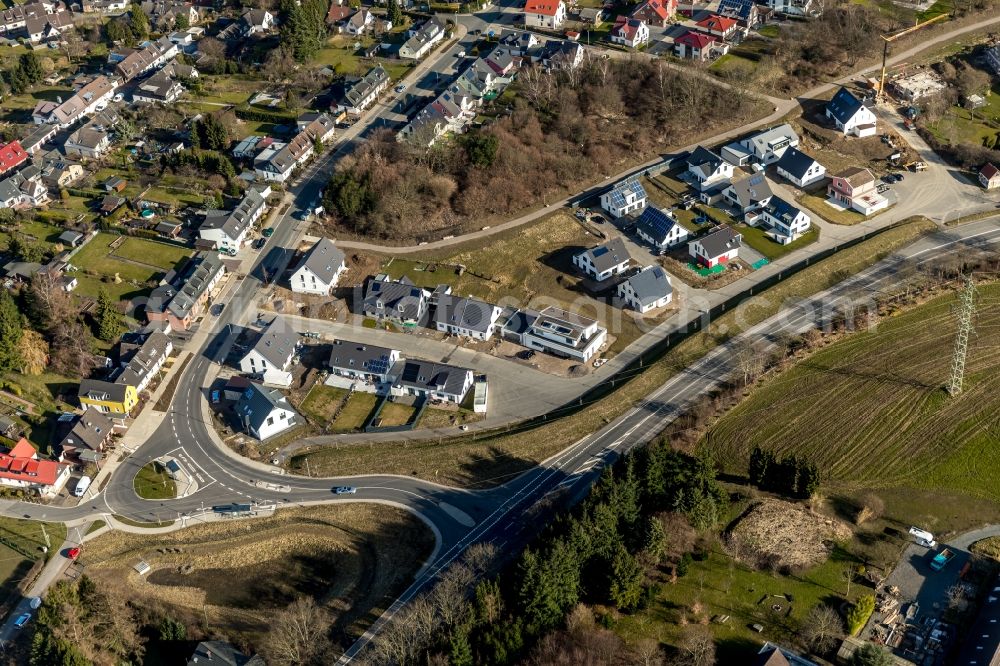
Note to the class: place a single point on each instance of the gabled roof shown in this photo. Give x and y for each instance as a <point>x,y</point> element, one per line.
<point>235,223</point>
<point>11,155</point>
<point>620,190</point>
<point>720,240</point>
<point>276,343</point>
<point>989,171</point>
<point>856,176</point>
<point>21,464</point>
<point>763,141</point>
<point>359,356</point>
<point>751,189</point>
<point>223,654</point>
<point>257,403</point>
<point>200,272</point>
<point>609,255</point>
<point>626,27</point>
<point>468,313</point>
<point>717,23</point>
<point>400,297</point>
<point>324,260</point>
<point>430,376</point>
<point>656,223</point>
<point>656,7</point>
<point>795,162</point>
<point>364,87</point>
<point>696,40</point>
<point>97,389</point>
<point>741,9</point>
<point>701,158</point>
<point>338,13</point>
<point>91,429</point>
<point>781,209</point>
<point>650,284</point>
<point>844,105</point>
<point>543,7</point>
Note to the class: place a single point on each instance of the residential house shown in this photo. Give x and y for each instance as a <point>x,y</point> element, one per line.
<point>773,655</point>
<point>263,413</point>
<point>220,653</point>
<point>562,54</point>
<point>851,115</point>
<point>450,112</point>
<point>799,168</point>
<point>90,142</point>
<point>90,431</point>
<point>164,14</point>
<point>38,137</point>
<point>545,14</point>
<point>708,169</point>
<point>694,45</point>
<point>320,269</point>
<point>46,27</point>
<point>720,27</point>
<point>395,300</point>
<point>604,261</point>
<point>359,22</point>
<point>468,317</point>
<point>992,57</point>
<point>628,196</point>
<point>557,332</point>
<point>989,176</point>
<point>153,55</point>
<point>142,364</point>
<point>23,188</point>
<point>319,126</point>
<point>719,246</point>
<point>748,193</point>
<point>115,400</point>
<point>791,7</point>
<point>12,155</point>
<point>630,32</point>
<point>767,146</point>
<point>358,360</point>
<point>59,173</point>
<point>228,230</point>
<point>855,188</point>
<point>257,21</point>
<point>70,238</point>
<point>277,162</point>
<point>110,7</point>
<point>421,39</point>
<point>180,301</point>
<point>783,221</point>
<point>20,468</point>
<point>337,14</point>
<point>160,88</point>
<point>271,356</point>
<point>90,98</point>
<point>655,12</point>
<point>359,95</point>
<point>647,290</point>
<point>433,381</point>
<point>109,204</point>
<point>595,16</point>
<point>747,12</point>
<point>660,229</point>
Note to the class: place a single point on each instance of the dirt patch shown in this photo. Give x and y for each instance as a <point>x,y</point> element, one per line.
<point>783,535</point>
<point>353,559</point>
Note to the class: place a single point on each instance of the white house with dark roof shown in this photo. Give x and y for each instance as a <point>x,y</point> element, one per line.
<point>647,290</point>
<point>468,317</point>
<point>708,169</point>
<point>783,221</point>
<point>421,39</point>
<point>628,196</point>
<point>271,356</point>
<point>434,381</point>
<point>359,360</point>
<point>320,269</point>
<point>800,169</point>
<point>560,333</point>
<point>84,102</point>
<point>748,193</point>
<point>229,229</point>
<point>265,412</point>
<point>767,146</point>
<point>142,365</point>
<point>851,115</point>
<point>362,93</point>
<point>719,246</point>
<point>396,300</point>
<point>179,302</point>
<point>660,229</point>
<point>989,176</point>
<point>630,32</point>
<point>604,261</point>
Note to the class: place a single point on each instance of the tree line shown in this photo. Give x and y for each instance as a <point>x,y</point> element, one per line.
<point>794,476</point>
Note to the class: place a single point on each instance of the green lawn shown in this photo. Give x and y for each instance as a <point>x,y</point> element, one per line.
<point>395,414</point>
<point>97,260</point>
<point>321,402</point>
<point>960,125</point>
<point>30,537</point>
<point>769,31</point>
<point>154,253</point>
<point>356,412</point>
<point>818,205</point>
<point>758,240</point>
<point>153,483</point>
<point>36,232</point>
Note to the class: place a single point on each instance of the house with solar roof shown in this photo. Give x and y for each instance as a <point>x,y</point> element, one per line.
<point>468,317</point>
<point>783,221</point>
<point>395,300</point>
<point>748,193</point>
<point>434,381</point>
<point>628,196</point>
<point>604,261</point>
<point>359,360</point>
<point>320,269</point>
<point>660,229</point>
<point>647,290</point>
<point>746,12</point>
<point>800,169</point>
<point>850,115</point>
<point>270,359</point>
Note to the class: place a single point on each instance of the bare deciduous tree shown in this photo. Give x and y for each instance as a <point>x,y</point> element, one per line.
<point>299,634</point>
<point>697,647</point>
<point>822,628</point>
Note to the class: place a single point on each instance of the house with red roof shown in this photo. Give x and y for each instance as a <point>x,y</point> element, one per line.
<point>655,12</point>
<point>20,468</point>
<point>989,176</point>
<point>548,14</point>
<point>12,155</point>
<point>631,32</point>
<point>723,27</point>
<point>699,46</point>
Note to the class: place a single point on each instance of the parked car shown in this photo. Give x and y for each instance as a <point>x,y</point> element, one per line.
<point>73,553</point>
<point>22,620</point>
<point>400,88</point>
<point>34,603</point>
<point>216,396</point>
<point>267,233</point>
<point>259,243</point>
<point>81,486</point>
<point>345,490</point>
<point>460,54</point>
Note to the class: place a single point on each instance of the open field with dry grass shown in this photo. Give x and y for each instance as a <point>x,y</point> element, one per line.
<point>494,458</point>
<point>353,558</point>
<point>871,410</point>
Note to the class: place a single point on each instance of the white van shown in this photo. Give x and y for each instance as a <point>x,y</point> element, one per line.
<point>81,486</point>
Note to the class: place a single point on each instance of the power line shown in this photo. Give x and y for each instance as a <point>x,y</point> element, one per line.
<point>967,308</point>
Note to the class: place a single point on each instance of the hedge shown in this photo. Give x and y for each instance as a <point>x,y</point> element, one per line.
<point>246,113</point>
<point>858,616</point>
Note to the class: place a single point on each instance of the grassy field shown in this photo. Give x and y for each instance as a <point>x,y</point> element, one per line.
<point>136,261</point>
<point>396,414</point>
<point>153,483</point>
<point>818,205</point>
<point>903,428</point>
<point>960,125</point>
<point>352,558</point>
<point>760,241</point>
<point>493,458</point>
<point>322,402</point>
<point>28,536</point>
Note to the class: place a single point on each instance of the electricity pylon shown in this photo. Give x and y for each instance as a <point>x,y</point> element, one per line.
<point>967,308</point>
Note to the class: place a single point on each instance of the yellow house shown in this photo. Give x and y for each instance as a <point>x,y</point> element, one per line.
<point>115,400</point>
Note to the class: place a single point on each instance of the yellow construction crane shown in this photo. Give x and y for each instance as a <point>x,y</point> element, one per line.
<point>888,39</point>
